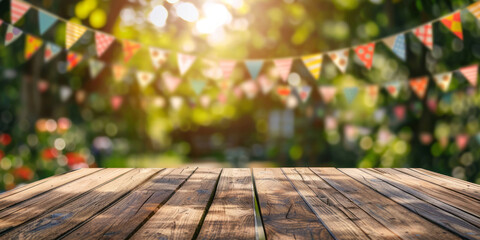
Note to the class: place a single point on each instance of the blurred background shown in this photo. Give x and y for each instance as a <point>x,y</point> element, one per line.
<point>53,121</point>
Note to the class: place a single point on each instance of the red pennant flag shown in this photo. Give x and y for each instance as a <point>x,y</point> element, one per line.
<point>129,49</point>
<point>419,86</point>
<point>425,34</point>
<point>365,53</point>
<point>400,111</point>
<point>470,73</point>
<point>454,23</point>
<point>18,9</point>
<point>102,42</point>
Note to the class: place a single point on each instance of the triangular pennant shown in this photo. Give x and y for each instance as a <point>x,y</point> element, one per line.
<point>250,88</point>
<point>443,80</point>
<point>102,42</point>
<point>283,67</point>
<point>314,64</point>
<point>176,102</point>
<point>327,93</point>
<point>304,92</point>
<point>129,49</point>
<point>12,34</point>
<point>397,45</point>
<point>197,85</point>
<point>185,61</point>
<point>119,72</point>
<point>171,82</point>
<point>365,54</point>
<point>372,93</point>
<point>205,100</point>
<point>51,50</point>
<point>144,78</point>
<point>474,8</point>
<point>32,44</point>
<point>470,73</point>
<point>65,93</point>
<point>18,9</point>
<point>393,88</point>
<point>73,33</point>
<point>96,66</point>
<point>350,93</point>
<point>284,91</point>
<point>45,21</point>
<point>454,23</point>
<point>265,83</point>
<point>227,67</point>
<point>425,35</point>
<point>419,86</point>
<point>158,57</point>
<point>73,59</point>
<point>340,58</point>
<point>254,67</point>
<point>461,140</point>
<point>116,102</point>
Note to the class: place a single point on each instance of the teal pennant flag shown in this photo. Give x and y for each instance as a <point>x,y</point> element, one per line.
<point>45,21</point>
<point>197,86</point>
<point>350,93</point>
<point>254,67</point>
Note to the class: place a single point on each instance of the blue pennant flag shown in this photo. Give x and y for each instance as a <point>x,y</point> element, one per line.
<point>397,45</point>
<point>254,67</point>
<point>51,50</point>
<point>350,93</point>
<point>197,86</point>
<point>45,21</point>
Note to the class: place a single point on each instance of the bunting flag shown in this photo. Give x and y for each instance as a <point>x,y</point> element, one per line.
<point>205,100</point>
<point>393,88</point>
<point>102,42</point>
<point>176,102</point>
<point>470,73</point>
<point>95,66</point>
<point>197,85</point>
<point>73,33</point>
<point>365,54</point>
<point>419,86</point>
<point>17,10</point>
<point>250,88</point>
<point>461,140</point>
<point>283,91</point>
<point>372,93</point>
<point>73,59</point>
<point>314,64</point>
<point>12,34</point>
<point>304,92</point>
<point>45,21</point>
<point>158,57</point>
<point>119,72</point>
<point>265,84</point>
<point>327,93</point>
<point>454,23</point>
<point>350,93</point>
<point>51,50</point>
<point>254,67</point>
<point>340,58</point>
<point>474,8</point>
<point>171,82</point>
<point>116,102</point>
<point>397,45</point>
<point>32,44</point>
<point>443,80</point>
<point>129,50</point>
<point>283,67</point>
<point>185,61</point>
<point>144,78</point>
<point>227,67</point>
<point>425,35</point>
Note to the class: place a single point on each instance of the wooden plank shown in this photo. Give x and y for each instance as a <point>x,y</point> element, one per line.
<point>60,220</point>
<point>44,186</point>
<point>124,217</point>
<point>285,215</point>
<point>333,218</point>
<point>398,219</point>
<point>422,208</point>
<point>441,197</point>
<point>26,210</point>
<point>232,213</point>
<point>182,214</point>
<point>457,185</point>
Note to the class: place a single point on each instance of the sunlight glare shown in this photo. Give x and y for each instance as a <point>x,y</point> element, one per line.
<point>216,15</point>
<point>158,16</point>
<point>187,11</point>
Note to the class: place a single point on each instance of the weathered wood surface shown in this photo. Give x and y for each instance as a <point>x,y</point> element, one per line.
<point>197,203</point>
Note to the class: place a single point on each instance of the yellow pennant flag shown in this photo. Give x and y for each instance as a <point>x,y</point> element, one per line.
<point>74,32</point>
<point>32,44</point>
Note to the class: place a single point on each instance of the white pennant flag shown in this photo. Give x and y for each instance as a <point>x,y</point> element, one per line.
<point>185,61</point>
<point>443,80</point>
<point>340,58</point>
<point>144,78</point>
<point>158,56</point>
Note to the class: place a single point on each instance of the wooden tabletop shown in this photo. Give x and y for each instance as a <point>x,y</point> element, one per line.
<point>242,203</point>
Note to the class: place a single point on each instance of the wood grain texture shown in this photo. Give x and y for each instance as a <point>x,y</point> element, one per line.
<point>27,210</point>
<point>181,215</point>
<point>339,224</point>
<point>59,221</point>
<point>232,213</point>
<point>285,215</point>
<point>125,216</point>
<point>457,185</point>
<point>420,207</point>
<point>15,196</point>
<point>398,219</point>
